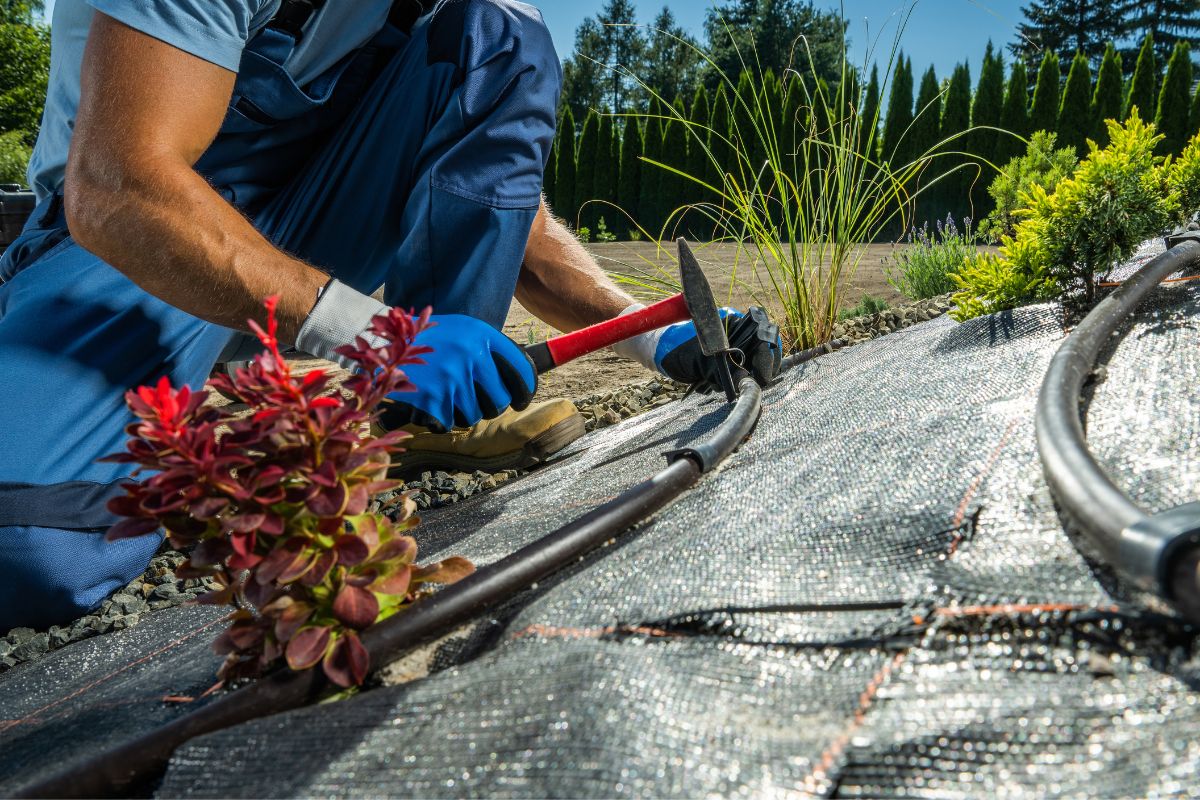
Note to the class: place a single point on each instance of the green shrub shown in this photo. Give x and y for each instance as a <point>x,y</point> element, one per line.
<point>924,269</point>
<point>1183,181</point>
<point>1042,165</point>
<point>866,307</point>
<point>14,157</point>
<point>603,234</point>
<point>1118,197</point>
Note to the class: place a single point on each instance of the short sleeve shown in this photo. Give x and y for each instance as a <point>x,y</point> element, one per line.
<point>214,30</point>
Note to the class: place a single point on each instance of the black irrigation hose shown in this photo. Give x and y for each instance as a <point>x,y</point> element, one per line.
<point>1159,553</point>
<point>796,359</point>
<point>136,764</point>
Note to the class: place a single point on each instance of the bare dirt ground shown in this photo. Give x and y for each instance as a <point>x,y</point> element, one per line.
<point>736,280</point>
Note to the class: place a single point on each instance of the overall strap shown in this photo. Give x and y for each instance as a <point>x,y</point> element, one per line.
<point>293,15</point>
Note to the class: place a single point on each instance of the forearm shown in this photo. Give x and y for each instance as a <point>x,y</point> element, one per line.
<point>158,222</point>
<point>561,283</point>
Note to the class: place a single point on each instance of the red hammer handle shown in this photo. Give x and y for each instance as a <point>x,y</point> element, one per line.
<point>558,351</point>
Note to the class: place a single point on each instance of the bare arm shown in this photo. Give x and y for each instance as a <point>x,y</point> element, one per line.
<point>560,282</point>
<point>147,112</point>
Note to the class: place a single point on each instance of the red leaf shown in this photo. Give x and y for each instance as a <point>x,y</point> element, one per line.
<point>320,570</point>
<point>451,570</point>
<point>403,548</point>
<point>396,584</point>
<point>328,502</point>
<point>355,607</point>
<point>132,528</point>
<point>307,647</point>
<point>347,662</point>
<point>352,550</point>
<point>247,561</point>
<point>314,376</point>
<point>326,402</point>
<point>244,523</point>
<point>291,620</point>
<point>243,542</point>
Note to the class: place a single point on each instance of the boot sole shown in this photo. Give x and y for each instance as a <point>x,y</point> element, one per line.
<point>536,451</point>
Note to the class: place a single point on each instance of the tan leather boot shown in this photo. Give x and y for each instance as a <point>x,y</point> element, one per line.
<point>514,440</point>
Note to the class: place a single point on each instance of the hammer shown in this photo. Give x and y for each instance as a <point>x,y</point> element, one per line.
<point>695,303</point>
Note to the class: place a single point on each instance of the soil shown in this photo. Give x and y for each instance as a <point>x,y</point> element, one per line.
<point>736,280</point>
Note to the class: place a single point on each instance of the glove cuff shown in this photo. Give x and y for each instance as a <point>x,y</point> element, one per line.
<point>640,348</point>
<point>340,316</point>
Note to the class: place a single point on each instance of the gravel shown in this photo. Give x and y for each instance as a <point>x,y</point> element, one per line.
<point>156,589</point>
<point>866,328</point>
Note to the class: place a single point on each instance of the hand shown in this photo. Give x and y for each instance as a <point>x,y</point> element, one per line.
<point>678,353</point>
<point>474,372</point>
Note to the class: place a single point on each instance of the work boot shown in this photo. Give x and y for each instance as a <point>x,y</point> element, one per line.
<point>513,440</point>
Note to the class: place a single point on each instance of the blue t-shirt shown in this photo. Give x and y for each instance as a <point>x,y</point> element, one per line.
<point>214,30</point>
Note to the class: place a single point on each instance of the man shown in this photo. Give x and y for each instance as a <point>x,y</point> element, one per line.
<point>199,155</point>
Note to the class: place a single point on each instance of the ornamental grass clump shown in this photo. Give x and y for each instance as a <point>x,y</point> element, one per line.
<point>276,509</point>
<point>800,182</point>
<point>924,268</point>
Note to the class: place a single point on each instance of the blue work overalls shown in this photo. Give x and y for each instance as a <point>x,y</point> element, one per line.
<point>414,164</point>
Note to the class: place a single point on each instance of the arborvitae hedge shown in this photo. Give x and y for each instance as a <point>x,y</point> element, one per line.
<point>956,118</point>
<point>585,175</point>
<point>629,193</point>
<point>564,187</point>
<point>927,133</point>
<point>648,200</point>
<point>550,177</point>
<point>1143,88</point>
<point>1015,117</point>
<point>987,109</point>
<point>872,106</point>
<point>1109,99</point>
<point>1043,116</point>
<point>1175,101</point>
<point>896,146</point>
<point>1075,114</point>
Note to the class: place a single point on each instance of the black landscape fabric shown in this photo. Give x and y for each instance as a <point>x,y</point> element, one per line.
<point>874,597</point>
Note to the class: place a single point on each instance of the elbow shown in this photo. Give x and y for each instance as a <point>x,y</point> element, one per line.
<point>84,198</point>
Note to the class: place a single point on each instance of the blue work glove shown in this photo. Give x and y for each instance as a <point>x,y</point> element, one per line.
<point>475,372</point>
<point>678,355</point>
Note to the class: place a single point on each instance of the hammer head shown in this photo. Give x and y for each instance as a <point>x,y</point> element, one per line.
<point>710,328</point>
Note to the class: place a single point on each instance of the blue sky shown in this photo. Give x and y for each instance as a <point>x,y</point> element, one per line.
<point>939,32</point>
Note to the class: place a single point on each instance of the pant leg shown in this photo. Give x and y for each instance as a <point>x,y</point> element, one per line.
<point>75,334</point>
<point>430,186</point>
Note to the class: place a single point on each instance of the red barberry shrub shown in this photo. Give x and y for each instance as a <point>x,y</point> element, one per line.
<point>275,504</point>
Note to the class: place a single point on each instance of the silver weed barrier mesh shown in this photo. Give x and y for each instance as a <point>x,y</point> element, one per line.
<point>874,597</point>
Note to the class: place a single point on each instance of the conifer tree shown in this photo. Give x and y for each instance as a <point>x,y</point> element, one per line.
<point>1143,88</point>
<point>1070,26</point>
<point>585,175</point>
<point>1044,114</point>
<point>648,201</point>
<point>987,109</point>
<point>1194,116</point>
<point>674,190</point>
<point>927,123</point>
<point>697,162</point>
<point>564,186</point>
<point>869,133</point>
<point>1168,21</point>
<point>1015,117</point>
<point>744,115</point>
<point>926,135</point>
<point>1108,100</point>
<point>608,171</point>
<point>629,194</point>
<point>895,147</point>
<point>1175,102</point>
<point>718,140</point>
<point>1075,113</point>
<point>550,176</point>
<point>956,120</point>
